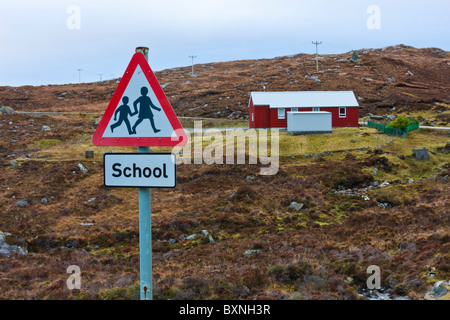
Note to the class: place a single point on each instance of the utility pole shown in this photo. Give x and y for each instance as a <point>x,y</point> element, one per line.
<point>192,57</point>
<point>317,53</point>
<point>79,75</point>
<point>100,74</point>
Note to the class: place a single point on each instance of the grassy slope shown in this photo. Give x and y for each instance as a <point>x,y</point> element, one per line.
<point>320,251</point>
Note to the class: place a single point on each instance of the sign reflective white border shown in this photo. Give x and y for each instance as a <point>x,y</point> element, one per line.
<point>140,170</point>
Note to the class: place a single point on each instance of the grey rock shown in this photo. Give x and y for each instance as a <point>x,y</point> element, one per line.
<point>44,200</point>
<point>172,241</point>
<point>375,171</point>
<point>22,203</point>
<point>297,206</point>
<point>390,117</point>
<point>392,79</point>
<point>45,128</point>
<point>191,237</point>
<point>421,154</point>
<point>14,163</point>
<point>3,236</point>
<point>204,233</point>
<point>249,178</point>
<point>313,77</point>
<point>6,110</point>
<point>438,290</point>
<point>82,168</point>
<point>249,253</point>
<point>374,183</point>
<point>9,250</point>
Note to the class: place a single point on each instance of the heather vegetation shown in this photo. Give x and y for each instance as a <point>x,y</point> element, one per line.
<point>338,203</point>
<point>226,232</point>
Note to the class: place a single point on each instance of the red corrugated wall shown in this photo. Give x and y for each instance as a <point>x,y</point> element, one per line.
<point>264,117</point>
<point>351,119</point>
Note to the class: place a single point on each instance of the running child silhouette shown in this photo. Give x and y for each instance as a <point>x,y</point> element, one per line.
<point>123,110</point>
<point>145,111</point>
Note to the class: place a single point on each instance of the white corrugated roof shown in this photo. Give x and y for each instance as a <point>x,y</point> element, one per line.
<point>304,99</point>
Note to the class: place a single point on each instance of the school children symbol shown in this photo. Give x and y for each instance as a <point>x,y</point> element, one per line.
<point>139,113</point>
<point>145,112</point>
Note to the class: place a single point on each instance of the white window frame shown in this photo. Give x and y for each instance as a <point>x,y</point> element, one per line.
<point>344,115</point>
<point>281,116</point>
<point>294,109</point>
<point>316,109</point>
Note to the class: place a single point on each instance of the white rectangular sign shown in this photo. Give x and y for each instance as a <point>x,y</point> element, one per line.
<point>140,170</point>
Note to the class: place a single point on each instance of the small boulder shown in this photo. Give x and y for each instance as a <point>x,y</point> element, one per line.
<point>82,168</point>
<point>421,154</point>
<point>297,206</point>
<point>205,233</point>
<point>191,237</point>
<point>438,290</point>
<point>249,253</point>
<point>22,203</point>
<point>6,110</point>
<point>45,128</point>
<point>8,250</point>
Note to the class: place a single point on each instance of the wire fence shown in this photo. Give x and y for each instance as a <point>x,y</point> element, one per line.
<point>391,130</point>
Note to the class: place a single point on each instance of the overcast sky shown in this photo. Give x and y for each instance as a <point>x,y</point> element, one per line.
<point>45,42</point>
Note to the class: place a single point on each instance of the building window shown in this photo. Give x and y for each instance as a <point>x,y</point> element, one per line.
<point>280,113</point>
<point>316,109</point>
<point>342,112</point>
<point>294,110</point>
<point>253,117</point>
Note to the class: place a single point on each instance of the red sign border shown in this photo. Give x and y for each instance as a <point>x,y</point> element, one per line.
<point>181,138</point>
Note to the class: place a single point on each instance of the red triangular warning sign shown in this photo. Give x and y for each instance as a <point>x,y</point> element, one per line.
<point>139,113</point>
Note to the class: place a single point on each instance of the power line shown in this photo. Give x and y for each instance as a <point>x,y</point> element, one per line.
<point>317,53</point>
<point>192,57</point>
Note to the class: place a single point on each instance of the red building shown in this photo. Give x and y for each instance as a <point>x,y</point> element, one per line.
<point>269,109</point>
